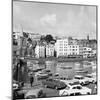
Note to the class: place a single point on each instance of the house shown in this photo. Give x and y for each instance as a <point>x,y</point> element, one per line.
<point>40,50</point>
<point>50,50</point>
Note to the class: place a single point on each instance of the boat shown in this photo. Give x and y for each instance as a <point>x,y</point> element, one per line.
<point>66,67</point>
<point>81,71</point>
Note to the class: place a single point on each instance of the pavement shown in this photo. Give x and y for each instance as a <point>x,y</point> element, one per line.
<point>49,92</point>
<point>92,86</point>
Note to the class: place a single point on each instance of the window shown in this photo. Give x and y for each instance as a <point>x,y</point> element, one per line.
<point>78,93</point>
<point>78,87</point>
<point>72,94</point>
<point>84,48</point>
<point>74,88</point>
<point>61,49</point>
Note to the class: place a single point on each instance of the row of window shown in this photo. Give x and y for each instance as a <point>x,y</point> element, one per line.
<point>68,53</point>
<point>63,41</point>
<point>49,52</point>
<point>68,49</point>
<point>65,46</point>
<point>50,49</point>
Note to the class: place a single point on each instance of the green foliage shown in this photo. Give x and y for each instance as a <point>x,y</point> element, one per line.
<point>48,38</point>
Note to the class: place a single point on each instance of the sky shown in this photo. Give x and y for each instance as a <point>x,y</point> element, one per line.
<point>55,19</point>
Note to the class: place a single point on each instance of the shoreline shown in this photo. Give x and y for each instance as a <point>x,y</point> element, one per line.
<point>60,59</point>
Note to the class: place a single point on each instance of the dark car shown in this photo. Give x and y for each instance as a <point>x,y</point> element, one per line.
<point>36,93</point>
<point>54,84</point>
<point>18,94</point>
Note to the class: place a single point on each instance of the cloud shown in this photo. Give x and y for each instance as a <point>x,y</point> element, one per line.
<point>69,20</point>
<point>49,20</point>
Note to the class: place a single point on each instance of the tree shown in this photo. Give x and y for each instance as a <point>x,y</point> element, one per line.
<point>48,38</point>
<point>29,40</point>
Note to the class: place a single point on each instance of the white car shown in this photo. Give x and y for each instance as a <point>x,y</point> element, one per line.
<point>81,79</point>
<point>91,78</point>
<point>74,90</point>
<point>15,86</point>
<point>72,81</point>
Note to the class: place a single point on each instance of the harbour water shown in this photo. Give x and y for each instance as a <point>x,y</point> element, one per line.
<point>65,69</point>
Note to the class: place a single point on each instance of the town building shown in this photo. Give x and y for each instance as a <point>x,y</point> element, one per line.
<point>50,50</point>
<point>17,42</point>
<point>67,47</point>
<point>40,50</point>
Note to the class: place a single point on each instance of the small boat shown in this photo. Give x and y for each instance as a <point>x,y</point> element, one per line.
<point>68,67</point>
<point>81,71</point>
<point>42,76</point>
<point>56,74</point>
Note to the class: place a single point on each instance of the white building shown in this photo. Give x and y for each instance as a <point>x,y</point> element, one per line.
<point>40,51</point>
<point>50,50</point>
<point>65,47</point>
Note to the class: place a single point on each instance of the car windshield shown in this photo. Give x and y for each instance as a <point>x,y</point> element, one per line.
<point>77,87</point>
<point>79,77</point>
<point>89,76</point>
<point>74,83</point>
<point>74,88</point>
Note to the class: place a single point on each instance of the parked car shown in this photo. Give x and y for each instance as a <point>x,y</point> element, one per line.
<point>72,81</point>
<point>74,89</point>
<point>17,90</point>
<point>55,84</point>
<point>35,93</point>
<point>15,84</point>
<point>91,78</point>
<point>81,79</point>
<point>41,75</point>
<point>17,94</point>
<point>47,72</point>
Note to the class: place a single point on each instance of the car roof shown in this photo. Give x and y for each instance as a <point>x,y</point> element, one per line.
<point>78,76</point>
<point>89,75</point>
<point>33,92</point>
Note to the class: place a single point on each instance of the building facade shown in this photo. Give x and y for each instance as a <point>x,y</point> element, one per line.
<point>66,47</point>
<point>50,50</point>
<point>40,51</point>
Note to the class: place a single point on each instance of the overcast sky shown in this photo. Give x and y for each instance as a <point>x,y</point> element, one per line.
<point>56,19</point>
